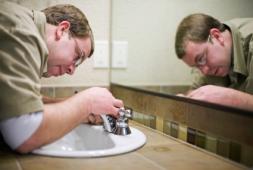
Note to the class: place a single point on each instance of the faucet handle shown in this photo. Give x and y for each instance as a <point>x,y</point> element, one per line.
<point>109,122</point>
<point>126,112</point>
<point>118,126</point>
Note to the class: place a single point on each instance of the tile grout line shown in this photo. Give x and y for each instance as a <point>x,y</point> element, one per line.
<point>18,165</point>
<point>193,146</point>
<point>150,161</point>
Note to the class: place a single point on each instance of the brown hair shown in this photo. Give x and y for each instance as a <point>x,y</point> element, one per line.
<point>79,25</point>
<point>196,28</point>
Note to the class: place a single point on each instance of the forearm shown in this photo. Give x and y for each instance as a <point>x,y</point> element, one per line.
<point>240,100</point>
<point>58,119</point>
<point>47,100</point>
<point>223,96</point>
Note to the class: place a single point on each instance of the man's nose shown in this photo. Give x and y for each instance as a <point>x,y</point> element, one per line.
<point>70,69</point>
<point>204,69</point>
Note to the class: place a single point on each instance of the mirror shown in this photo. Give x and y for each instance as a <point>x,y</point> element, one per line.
<point>147,28</point>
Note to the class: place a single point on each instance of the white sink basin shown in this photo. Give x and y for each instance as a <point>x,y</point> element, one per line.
<point>93,141</point>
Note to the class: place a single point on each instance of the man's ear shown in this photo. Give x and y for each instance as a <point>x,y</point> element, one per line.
<point>62,27</point>
<point>217,34</point>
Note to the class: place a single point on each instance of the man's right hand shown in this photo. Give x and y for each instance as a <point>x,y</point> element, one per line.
<point>98,101</point>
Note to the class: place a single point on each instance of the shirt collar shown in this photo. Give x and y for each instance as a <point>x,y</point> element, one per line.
<point>40,21</point>
<point>239,64</point>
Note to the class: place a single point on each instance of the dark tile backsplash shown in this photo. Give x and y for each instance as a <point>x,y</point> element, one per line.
<point>228,134</point>
<point>225,132</point>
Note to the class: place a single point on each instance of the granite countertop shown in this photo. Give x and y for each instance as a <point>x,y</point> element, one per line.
<point>160,152</point>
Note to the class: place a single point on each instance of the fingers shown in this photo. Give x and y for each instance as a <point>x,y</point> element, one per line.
<point>94,119</point>
<point>192,93</point>
<point>98,119</point>
<point>181,94</point>
<point>118,103</point>
<point>91,118</point>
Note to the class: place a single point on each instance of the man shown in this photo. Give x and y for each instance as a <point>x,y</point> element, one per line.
<point>223,53</point>
<point>48,43</point>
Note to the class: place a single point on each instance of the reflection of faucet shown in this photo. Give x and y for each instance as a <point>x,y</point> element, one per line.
<point>118,126</point>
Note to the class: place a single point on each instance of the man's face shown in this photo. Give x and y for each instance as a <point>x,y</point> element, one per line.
<point>211,57</point>
<point>65,53</point>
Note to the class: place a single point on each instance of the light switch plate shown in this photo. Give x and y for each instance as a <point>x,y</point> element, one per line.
<point>119,54</point>
<point>101,54</point>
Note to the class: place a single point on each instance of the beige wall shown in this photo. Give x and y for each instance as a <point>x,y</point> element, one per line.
<point>149,26</point>
<point>98,14</point>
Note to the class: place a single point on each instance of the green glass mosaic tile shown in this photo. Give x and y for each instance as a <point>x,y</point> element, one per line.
<point>138,117</point>
<point>152,121</point>
<point>235,151</point>
<point>146,120</point>
<point>223,148</point>
<point>166,127</point>
<point>182,133</point>
<point>211,143</point>
<point>174,128</point>
<point>200,139</point>
<point>191,135</point>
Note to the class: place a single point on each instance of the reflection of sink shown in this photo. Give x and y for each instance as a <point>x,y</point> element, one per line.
<point>93,141</point>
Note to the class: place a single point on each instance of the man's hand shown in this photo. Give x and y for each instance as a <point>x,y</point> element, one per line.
<point>214,94</point>
<point>223,96</point>
<point>93,119</point>
<point>100,101</point>
<point>61,117</point>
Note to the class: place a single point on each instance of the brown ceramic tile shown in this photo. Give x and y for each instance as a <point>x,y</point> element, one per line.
<point>148,104</point>
<point>147,101</point>
<point>131,160</point>
<point>47,91</point>
<point>152,137</point>
<point>223,147</point>
<point>8,160</point>
<point>211,143</point>
<point>179,156</point>
<point>228,125</point>
<point>232,126</point>
<point>174,89</point>
<point>171,110</point>
<point>160,152</point>
<point>67,91</point>
<point>159,123</point>
<point>63,92</point>
<point>235,151</point>
<point>247,155</point>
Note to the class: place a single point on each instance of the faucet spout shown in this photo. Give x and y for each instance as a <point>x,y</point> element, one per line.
<point>118,126</point>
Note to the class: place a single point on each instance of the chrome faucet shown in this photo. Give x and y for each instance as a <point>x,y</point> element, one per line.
<point>120,125</point>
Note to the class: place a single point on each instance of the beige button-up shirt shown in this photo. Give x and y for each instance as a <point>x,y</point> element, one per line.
<point>23,54</point>
<point>241,72</point>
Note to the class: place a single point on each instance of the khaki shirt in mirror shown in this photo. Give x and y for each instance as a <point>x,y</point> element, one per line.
<point>23,55</point>
<point>241,73</point>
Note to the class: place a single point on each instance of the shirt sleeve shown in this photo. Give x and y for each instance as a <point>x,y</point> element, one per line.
<point>19,73</point>
<point>17,130</point>
<point>201,80</point>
